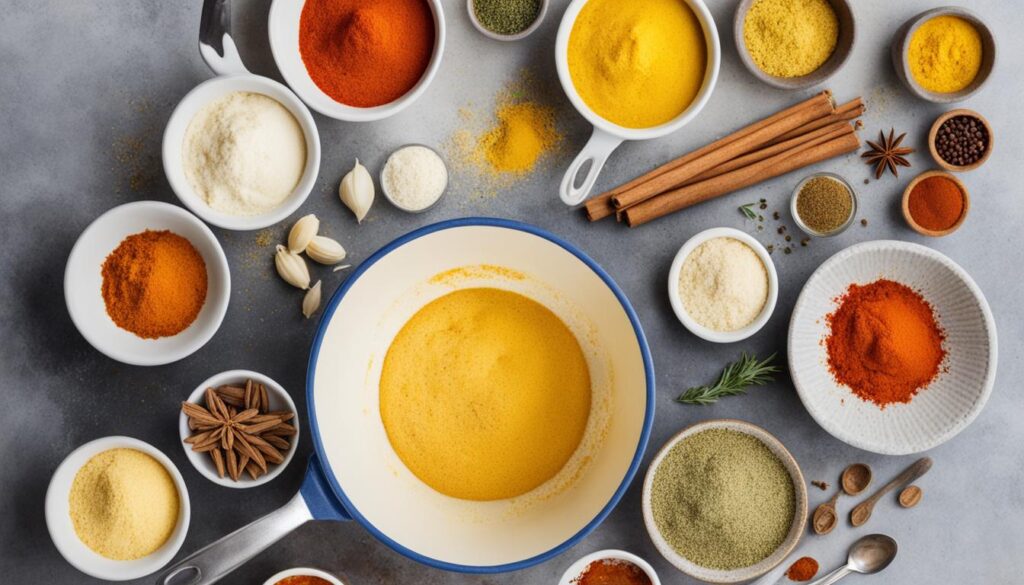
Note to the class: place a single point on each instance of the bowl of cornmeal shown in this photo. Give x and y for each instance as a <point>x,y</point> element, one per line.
<point>481,394</point>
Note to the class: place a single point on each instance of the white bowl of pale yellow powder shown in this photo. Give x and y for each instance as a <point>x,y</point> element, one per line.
<point>722,285</point>
<point>242,152</point>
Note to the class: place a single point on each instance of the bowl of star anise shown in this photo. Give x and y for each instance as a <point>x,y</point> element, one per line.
<point>239,428</point>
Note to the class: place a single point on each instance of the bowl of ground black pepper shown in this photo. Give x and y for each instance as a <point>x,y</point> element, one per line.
<point>506,20</point>
<point>823,204</point>
<point>724,501</point>
<point>935,203</point>
<point>960,140</point>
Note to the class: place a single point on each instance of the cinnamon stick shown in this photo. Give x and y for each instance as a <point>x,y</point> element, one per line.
<point>738,147</point>
<point>780,164</point>
<point>849,111</point>
<point>600,207</point>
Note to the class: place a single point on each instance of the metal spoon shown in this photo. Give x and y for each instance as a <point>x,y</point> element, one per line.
<point>869,555</point>
<point>855,479</point>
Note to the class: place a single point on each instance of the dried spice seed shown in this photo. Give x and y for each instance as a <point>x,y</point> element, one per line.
<point>962,140</point>
<point>824,204</point>
<point>887,153</point>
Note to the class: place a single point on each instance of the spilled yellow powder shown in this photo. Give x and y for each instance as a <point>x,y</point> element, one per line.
<point>485,394</point>
<point>524,132</point>
<point>124,504</point>
<point>455,276</point>
<point>945,54</point>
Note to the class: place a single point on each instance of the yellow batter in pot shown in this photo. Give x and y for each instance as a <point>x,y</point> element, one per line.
<point>485,394</point>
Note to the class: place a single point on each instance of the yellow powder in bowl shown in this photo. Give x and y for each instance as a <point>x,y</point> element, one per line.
<point>790,38</point>
<point>639,63</point>
<point>945,54</point>
<point>124,504</point>
<point>485,394</point>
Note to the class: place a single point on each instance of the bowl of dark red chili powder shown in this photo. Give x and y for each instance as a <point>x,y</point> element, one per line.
<point>357,60</point>
<point>147,283</point>
<point>892,347</point>
<point>610,567</point>
<point>935,203</point>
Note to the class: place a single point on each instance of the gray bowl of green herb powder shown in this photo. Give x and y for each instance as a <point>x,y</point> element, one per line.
<point>506,20</point>
<point>724,501</point>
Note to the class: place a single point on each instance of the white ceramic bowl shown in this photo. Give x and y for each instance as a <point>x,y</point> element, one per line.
<point>796,529</point>
<point>279,400</point>
<point>62,531</point>
<point>607,135</point>
<point>677,303</point>
<point>938,412</point>
<point>283,28</point>
<point>391,200</point>
<point>174,140</point>
<point>575,570</point>
<point>304,572</point>
<point>83,282</point>
<point>541,13</point>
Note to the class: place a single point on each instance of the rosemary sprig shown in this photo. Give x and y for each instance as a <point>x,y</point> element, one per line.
<point>748,210</point>
<point>735,378</point>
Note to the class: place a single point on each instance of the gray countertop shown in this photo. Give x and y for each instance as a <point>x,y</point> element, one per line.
<point>85,89</point>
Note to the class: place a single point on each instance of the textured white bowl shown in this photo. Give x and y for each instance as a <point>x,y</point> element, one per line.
<point>938,412</point>
<point>279,400</point>
<point>575,570</point>
<point>83,283</point>
<point>283,28</point>
<point>62,531</point>
<point>677,303</point>
<point>304,572</point>
<point>796,529</point>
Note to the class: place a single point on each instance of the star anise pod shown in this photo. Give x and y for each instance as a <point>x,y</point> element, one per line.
<point>237,429</point>
<point>887,153</point>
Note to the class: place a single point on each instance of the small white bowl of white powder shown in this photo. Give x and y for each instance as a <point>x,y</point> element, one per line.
<point>241,152</point>
<point>722,285</point>
<point>413,178</point>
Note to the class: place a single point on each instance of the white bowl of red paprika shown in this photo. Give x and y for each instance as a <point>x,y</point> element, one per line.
<point>880,415</point>
<point>385,56</point>
<point>131,325</point>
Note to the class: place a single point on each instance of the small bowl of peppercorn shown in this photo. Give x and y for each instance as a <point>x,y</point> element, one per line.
<point>507,20</point>
<point>960,140</point>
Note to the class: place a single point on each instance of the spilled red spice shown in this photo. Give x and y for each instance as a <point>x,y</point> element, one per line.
<point>612,572</point>
<point>884,342</point>
<point>804,569</point>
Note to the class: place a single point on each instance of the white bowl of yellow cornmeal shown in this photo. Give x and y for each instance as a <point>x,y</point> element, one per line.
<point>117,509</point>
<point>481,395</point>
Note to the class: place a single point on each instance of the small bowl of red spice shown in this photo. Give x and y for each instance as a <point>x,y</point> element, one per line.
<point>935,203</point>
<point>357,60</point>
<point>147,283</point>
<point>610,566</point>
<point>303,576</point>
<point>892,347</point>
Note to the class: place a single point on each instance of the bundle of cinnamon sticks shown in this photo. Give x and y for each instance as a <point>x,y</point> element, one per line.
<point>807,133</point>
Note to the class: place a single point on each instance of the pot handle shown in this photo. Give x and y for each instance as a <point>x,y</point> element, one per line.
<point>216,46</point>
<point>215,560</point>
<point>597,150</point>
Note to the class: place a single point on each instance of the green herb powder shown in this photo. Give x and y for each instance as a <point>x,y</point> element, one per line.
<point>824,204</point>
<point>506,17</point>
<point>722,499</point>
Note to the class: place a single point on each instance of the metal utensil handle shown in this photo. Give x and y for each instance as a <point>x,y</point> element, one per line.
<point>216,46</point>
<point>212,562</point>
<point>834,576</point>
<point>919,468</point>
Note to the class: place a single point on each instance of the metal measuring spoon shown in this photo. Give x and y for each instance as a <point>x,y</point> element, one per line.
<point>855,479</point>
<point>869,555</point>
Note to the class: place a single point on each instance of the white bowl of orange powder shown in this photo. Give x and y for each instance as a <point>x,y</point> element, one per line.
<point>147,283</point>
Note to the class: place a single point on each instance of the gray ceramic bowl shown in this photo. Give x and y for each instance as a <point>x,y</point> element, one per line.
<point>901,47</point>
<point>844,46</point>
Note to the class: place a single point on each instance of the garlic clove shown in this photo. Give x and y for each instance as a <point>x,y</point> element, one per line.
<point>291,267</point>
<point>356,191</point>
<point>302,232</point>
<point>311,302</point>
<point>325,250</point>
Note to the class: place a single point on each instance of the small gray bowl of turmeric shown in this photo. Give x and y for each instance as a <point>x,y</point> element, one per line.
<point>794,44</point>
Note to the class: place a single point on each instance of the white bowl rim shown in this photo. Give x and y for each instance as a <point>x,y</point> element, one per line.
<point>575,570</point>
<point>714,59</point>
<point>796,530</point>
<point>303,572</point>
<point>171,152</point>
<point>990,325</point>
<point>87,564</point>
<point>325,104</point>
<point>198,460</point>
<point>221,303</point>
<point>696,328</point>
<point>513,37</point>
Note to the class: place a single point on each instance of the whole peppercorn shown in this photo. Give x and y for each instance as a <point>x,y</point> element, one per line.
<point>962,140</point>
